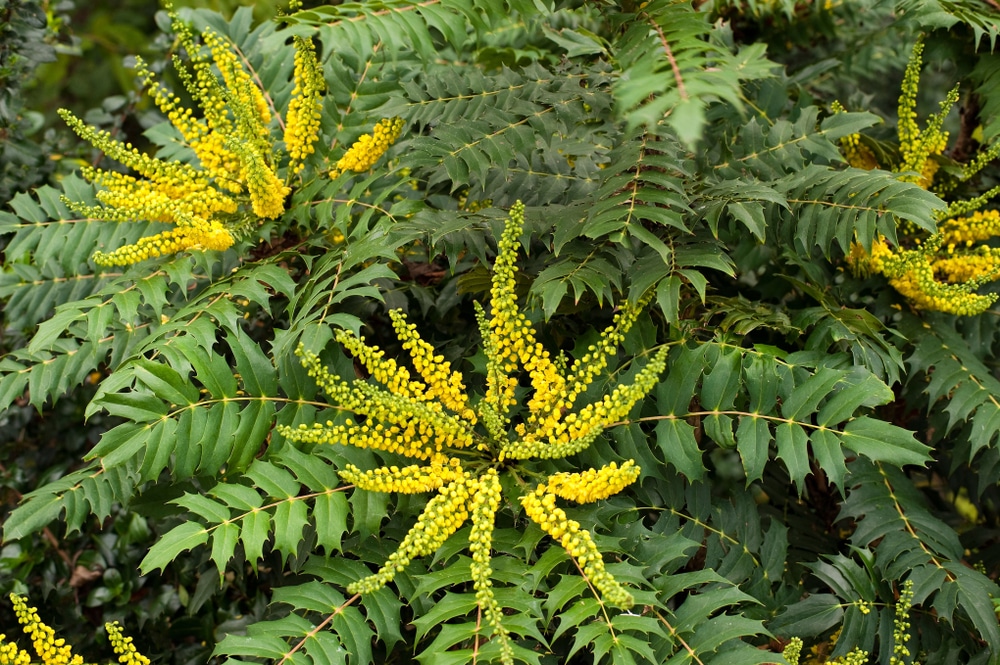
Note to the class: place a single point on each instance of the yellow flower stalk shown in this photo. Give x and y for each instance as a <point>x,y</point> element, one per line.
<point>54,651</point>
<point>464,446</point>
<point>305,109</point>
<point>941,271</point>
<point>367,150</point>
<point>235,179</point>
<point>10,654</point>
<point>50,650</point>
<point>126,651</point>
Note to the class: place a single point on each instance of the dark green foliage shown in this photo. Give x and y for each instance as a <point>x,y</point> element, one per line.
<point>24,44</point>
<point>812,444</point>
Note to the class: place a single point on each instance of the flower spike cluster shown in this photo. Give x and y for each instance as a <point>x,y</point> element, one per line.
<point>941,271</point>
<point>234,180</point>
<point>55,651</point>
<point>464,446</point>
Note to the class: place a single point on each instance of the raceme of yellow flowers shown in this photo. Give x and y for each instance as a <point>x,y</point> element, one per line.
<point>463,447</point>
<point>941,271</point>
<point>363,154</point>
<point>53,651</point>
<point>236,181</point>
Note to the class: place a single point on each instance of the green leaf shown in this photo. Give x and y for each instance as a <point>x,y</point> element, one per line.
<point>883,442</point>
<point>810,617</point>
<point>166,383</point>
<point>255,532</point>
<point>138,407</point>
<point>753,441</point>
<point>181,538</point>
<point>330,511</point>
<point>826,448</point>
<point>290,518</point>
<point>273,480</point>
<point>31,516</point>
<point>209,510</point>
<point>224,540</point>
<point>804,399</point>
<point>676,440</point>
<point>255,369</point>
<point>793,450</point>
<point>255,424</point>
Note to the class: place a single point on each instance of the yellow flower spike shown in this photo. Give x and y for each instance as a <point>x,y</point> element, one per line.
<point>302,123</point>
<point>236,175</point>
<point>407,480</point>
<point>369,148</point>
<point>940,271</point>
<point>442,383</point>
<point>238,83</point>
<point>975,228</point>
<point>593,484</point>
<point>170,105</point>
<point>127,198</point>
<point>967,266</point>
<point>335,388</point>
<point>10,654</point>
<point>202,236</point>
<point>126,651</point>
<point>907,128</point>
<point>584,370</point>
<point>541,508</point>
<point>50,650</point>
<point>267,192</point>
<point>444,515</point>
<point>511,337</point>
<point>484,507</point>
<point>386,371</point>
<point>124,153</point>
<point>577,430</point>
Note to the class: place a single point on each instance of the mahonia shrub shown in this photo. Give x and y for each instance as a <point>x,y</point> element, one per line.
<point>540,332</point>
<point>435,422</point>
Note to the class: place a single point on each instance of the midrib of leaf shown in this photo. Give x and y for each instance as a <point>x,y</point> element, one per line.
<point>909,527</point>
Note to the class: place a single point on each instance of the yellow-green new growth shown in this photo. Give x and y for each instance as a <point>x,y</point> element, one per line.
<point>235,178</point>
<point>465,446</point>
<point>55,651</point>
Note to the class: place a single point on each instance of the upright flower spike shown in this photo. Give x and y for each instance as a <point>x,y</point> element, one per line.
<point>464,446</point>
<point>940,271</point>
<point>305,108</point>
<point>55,651</point>
<point>126,651</point>
<point>50,650</point>
<point>10,654</point>
<point>442,383</point>
<point>213,200</point>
